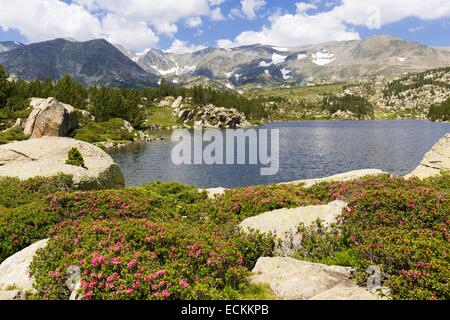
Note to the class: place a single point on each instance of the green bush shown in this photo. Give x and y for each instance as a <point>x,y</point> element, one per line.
<point>399,225</point>
<point>11,135</point>
<point>239,204</point>
<point>111,130</point>
<point>14,192</point>
<point>168,241</point>
<point>140,259</point>
<point>22,226</point>
<point>440,112</point>
<point>358,105</point>
<point>75,158</point>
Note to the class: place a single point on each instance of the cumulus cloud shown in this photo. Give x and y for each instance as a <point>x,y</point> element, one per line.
<point>130,34</point>
<point>337,24</point>
<point>162,15</point>
<point>43,20</point>
<point>216,14</point>
<point>132,23</point>
<point>180,47</point>
<point>194,22</point>
<point>251,7</point>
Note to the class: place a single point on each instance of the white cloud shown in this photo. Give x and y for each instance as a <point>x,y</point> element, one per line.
<point>131,23</point>
<point>337,24</point>
<point>43,20</point>
<point>216,14</point>
<point>161,14</point>
<point>251,7</point>
<point>296,29</point>
<point>225,43</point>
<point>304,7</point>
<point>194,22</point>
<point>358,12</point>
<point>130,34</point>
<point>180,47</point>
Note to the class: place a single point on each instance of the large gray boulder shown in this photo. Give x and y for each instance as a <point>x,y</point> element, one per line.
<point>15,274</point>
<point>50,118</point>
<point>284,223</point>
<point>47,157</point>
<point>292,279</point>
<point>436,160</point>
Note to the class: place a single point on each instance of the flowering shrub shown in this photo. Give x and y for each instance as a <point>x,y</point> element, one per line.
<point>21,226</point>
<point>168,241</point>
<point>140,259</point>
<point>14,192</point>
<point>400,225</point>
<point>239,204</point>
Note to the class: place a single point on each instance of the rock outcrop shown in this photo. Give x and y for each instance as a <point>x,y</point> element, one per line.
<point>15,277</point>
<point>211,116</point>
<point>283,223</point>
<point>47,157</point>
<point>292,279</point>
<point>347,176</point>
<point>50,118</point>
<point>436,160</point>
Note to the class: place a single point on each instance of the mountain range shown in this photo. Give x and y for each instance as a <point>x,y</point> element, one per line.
<point>99,62</point>
<point>92,62</point>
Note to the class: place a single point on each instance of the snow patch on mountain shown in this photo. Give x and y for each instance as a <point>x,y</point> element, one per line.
<point>285,72</point>
<point>264,64</point>
<point>322,58</point>
<point>280,49</point>
<point>277,59</point>
<point>175,70</point>
<point>301,56</point>
<point>401,59</point>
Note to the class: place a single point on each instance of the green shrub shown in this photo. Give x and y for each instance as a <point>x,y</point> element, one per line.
<point>400,225</point>
<point>239,204</point>
<point>11,135</point>
<point>440,112</point>
<point>139,259</point>
<point>14,192</point>
<point>75,158</point>
<point>111,130</point>
<point>358,105</point>
<point>22,226</point>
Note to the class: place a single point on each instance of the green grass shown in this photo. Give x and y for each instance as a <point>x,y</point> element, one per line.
<point>111,130</point>
<point>306,94</point>
<point>256,292</point>
<point>162,117</point>
<point>14,134</point>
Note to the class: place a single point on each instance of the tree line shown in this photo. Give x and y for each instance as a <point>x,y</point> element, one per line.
<point>355,104</point>
<point>440,111</point>
<point>107,103</point>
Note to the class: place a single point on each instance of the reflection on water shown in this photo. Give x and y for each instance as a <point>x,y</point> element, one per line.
<point>307,150</point>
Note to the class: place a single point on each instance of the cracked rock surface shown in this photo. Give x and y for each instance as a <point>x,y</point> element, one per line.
<point>47,157</point>
<point>436,160</point>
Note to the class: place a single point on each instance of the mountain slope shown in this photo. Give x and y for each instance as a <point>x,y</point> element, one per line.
<point>334,61</point>
<point>254,66</point>
<point>92,63</point>
<point>9,45</point>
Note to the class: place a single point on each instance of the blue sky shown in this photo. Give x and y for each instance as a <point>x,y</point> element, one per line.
<point>188,25</point>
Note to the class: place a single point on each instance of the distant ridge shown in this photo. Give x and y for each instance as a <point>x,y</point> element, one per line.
<point>92,62</point>
<point>99,62</point>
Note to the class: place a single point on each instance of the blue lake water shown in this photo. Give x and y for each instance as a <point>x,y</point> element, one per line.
<point>307,150</point>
